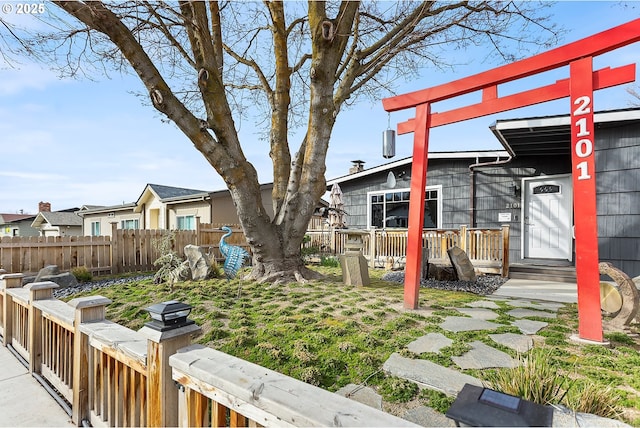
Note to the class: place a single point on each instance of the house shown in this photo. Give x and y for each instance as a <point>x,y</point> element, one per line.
<point>157,207</point>
<point>17,225</point>
<point>528,186</point>
<point>168,208</point>
<point>57,223</point>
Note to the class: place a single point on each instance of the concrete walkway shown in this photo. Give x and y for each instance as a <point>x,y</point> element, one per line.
<point>23,401</point>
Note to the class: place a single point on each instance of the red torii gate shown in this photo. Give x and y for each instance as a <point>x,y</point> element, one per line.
<point>579,87</point>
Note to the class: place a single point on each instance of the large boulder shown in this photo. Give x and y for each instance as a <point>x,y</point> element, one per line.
<point>198,262</point>
<point>46,271</point>
<point>462,264</point>
<point>64,280</point>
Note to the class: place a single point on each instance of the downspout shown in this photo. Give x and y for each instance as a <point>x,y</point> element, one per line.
<point>472,175</point>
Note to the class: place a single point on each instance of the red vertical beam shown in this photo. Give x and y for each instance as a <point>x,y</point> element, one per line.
<point>416,206</point>
<point>584,199</point>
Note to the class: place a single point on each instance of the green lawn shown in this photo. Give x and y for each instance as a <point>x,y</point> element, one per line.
<point>329,334</point>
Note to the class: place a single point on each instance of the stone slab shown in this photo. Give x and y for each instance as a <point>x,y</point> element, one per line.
<point>518,342</point>
<point>524,313</point>
<point>429,375</point>
<point>529,326</point>
<point>431,342</point>
<point>462,264</point>
<point>361,394</point>
<point>457,324</point>
<point>483,356</point>
<point>487,304</point>
<point>479,313</point>
<point>538,290</point>
<point>427,417</point>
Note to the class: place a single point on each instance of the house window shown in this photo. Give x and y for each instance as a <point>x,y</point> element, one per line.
<point>95,228</point>
<point>187,222</point>
<point>391,208</point>
<point>129,224</point>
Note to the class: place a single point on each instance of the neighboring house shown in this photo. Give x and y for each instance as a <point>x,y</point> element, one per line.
<point>58,223</point>
<point>17,225</point>
<point>168,208</point>
<point>527,186</point>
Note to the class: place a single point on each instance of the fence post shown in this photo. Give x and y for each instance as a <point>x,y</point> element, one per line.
<point>372,248</point>
<point>162,393</point>
<point>8,280</point>
<point>198,239</point>
<point>116,259</point>
<point>463,237</point>
<point>37,291</point>
<point>91,308</point>
<point>505,250</point>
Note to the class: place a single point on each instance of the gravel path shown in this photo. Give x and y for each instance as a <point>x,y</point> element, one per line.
<point>484,285</point>
<point>96,285</point>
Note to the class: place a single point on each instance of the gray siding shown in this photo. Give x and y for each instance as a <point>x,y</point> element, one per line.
<point>617,183</point>
<point>618,189</point>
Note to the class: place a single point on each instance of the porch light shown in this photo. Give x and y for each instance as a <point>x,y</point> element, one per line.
<point>169,315</point>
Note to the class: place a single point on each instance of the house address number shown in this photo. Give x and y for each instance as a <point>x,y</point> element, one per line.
<point>513,205</point>
<point>584,146</point>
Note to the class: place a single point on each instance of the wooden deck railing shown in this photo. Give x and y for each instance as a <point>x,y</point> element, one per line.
<point>113,376</point>
<point>488,249</point>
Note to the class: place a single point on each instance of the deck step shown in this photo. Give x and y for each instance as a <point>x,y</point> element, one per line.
<point>543,273</point>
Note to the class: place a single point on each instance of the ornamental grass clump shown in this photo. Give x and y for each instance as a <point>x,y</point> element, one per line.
<point>534,379</point>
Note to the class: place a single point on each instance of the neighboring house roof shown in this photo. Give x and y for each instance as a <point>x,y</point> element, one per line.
<point>550,135</point>
<point>97,209</point>
<point>168,194</point>
<point>11,218</point>
<point>57,218</point>
<point>477,154</point>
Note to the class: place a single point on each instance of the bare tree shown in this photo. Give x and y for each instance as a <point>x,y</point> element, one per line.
<point>204,64</point>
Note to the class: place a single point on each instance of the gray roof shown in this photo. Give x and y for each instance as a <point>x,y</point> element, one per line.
<point>167,192</point>
<point>62,219</point>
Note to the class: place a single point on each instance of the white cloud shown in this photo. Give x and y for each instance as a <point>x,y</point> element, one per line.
<point>28,76</point>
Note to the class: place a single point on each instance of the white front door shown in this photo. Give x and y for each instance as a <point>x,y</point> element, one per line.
<point>548,217</point>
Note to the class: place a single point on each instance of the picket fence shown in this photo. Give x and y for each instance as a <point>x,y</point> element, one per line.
<point>126,250</point>
<point>110,375</point>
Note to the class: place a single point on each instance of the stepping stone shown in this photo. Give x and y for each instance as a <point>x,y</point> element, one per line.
<point>361,394</point>
<point>427,417</point>
<point>429,375</point>
<point>479,313</point>
<point>457,324</point>
<point>484,356</point>
<point>432,342</point>
<point>529,326</point>
<point>523,313</point>
<point>517,342</point>
<point>488,304</point>
<point>520,303</point>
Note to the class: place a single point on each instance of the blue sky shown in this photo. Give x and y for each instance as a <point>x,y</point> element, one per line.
<point>73,142</point>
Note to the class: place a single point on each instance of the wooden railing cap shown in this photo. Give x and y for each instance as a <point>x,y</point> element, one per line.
<point>89,302</point>
<point>43,285</point>
<point>158,336</point>
<point>11,275</point>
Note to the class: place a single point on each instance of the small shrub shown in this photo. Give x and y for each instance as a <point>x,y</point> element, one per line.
<point>397,390</point>
<point>329,262</point>
<point>170,265</point>
<point>82,274</point>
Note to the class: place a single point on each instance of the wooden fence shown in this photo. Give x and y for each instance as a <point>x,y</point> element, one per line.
<point>488,249</point>
<point>114,376</point>
<point>126,250</point>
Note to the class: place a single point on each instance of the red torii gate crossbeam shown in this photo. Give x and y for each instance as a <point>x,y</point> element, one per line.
<point>579,87</point>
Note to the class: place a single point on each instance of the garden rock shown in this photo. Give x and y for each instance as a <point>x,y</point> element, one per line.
<point>462,264</point>
<point>441,273</point>
<point>198,262</point>
<point>64,280</point>
<point>47,271</point>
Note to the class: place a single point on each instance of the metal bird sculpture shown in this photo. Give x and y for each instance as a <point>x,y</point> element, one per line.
<point>234,256</point>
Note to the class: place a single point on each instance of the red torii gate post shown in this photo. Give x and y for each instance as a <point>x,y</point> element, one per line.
<point>580,85</point>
